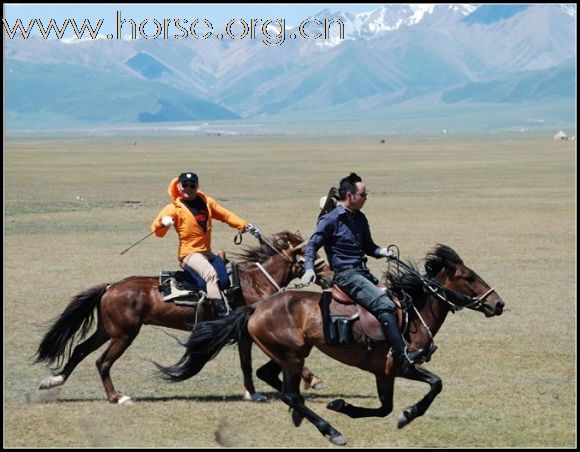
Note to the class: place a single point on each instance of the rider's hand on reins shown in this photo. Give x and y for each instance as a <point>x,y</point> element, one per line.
<point>253,230</point>
<point>308,277</point>
<point>384,252</point>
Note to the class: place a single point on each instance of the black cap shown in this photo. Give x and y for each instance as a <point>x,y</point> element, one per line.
<point>184,177</point>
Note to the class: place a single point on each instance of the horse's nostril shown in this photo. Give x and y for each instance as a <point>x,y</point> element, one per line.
<point>499,307</point>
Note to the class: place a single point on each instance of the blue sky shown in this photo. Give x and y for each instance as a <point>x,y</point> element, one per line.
<point>217,14</point>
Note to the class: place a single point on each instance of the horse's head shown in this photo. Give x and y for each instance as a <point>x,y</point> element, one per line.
<point>287,240</point>
<point>465,288</point>
<point>292,245</point>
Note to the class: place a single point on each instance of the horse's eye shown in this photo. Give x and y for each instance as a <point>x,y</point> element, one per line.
<point>471,278</point>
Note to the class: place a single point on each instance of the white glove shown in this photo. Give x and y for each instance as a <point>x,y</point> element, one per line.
<point>308,277</point>
<point>386,253</point>
<point>253,230</point>
<point>167,221</point>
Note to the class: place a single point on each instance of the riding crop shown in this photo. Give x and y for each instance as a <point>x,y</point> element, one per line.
<point>137,242</point>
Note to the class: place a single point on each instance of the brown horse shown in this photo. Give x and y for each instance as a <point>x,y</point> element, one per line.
<point>123,307</point>
<point>286,326</point>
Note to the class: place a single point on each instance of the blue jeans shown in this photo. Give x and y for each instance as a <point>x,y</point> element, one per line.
<point>361,286</point>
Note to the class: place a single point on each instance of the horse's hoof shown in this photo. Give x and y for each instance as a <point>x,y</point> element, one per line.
<point>258,397</point>
<point>125,400</point>
<point>337,440</point>
<point>336,405</point>
<point>297,418</point>
<point>403,420</point>
<point>255,397</point>
<point>316,383</point>
<point>51,382</point>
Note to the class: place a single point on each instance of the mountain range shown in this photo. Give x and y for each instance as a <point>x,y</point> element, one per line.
<point>396,56</point>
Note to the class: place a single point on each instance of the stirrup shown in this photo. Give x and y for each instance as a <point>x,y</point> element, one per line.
<point>415,357</point>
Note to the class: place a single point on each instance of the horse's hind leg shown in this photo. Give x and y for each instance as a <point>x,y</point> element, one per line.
<point>113,352</point>
<point>270,373</point>
<point>291,396</point>
<point>80,352</point>
<point>385,386</point>
<point>290,389</point>
<point>245,352</point>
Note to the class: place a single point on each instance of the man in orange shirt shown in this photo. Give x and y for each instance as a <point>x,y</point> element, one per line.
<point>191,213</point>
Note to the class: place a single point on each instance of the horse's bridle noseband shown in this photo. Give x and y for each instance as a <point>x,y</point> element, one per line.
<point>436,289</point>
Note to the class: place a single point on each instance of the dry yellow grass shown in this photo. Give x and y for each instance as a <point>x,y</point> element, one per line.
<point>508,208</point>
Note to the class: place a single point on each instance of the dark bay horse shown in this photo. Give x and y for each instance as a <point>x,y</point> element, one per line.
<point>286,326</point>
<point>123,307</point>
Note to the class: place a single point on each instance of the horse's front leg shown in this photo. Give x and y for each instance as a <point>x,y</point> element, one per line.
<point>422,374</point>
<point>385,384</point>
<point>245,352</point>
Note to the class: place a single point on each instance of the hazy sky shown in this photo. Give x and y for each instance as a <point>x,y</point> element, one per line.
<point>218,14</point>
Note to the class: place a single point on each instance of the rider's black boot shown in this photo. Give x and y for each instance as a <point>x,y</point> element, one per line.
<point>404,360</point>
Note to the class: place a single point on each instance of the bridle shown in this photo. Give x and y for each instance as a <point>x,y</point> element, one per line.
<point>296,260</point>
<point>433,287</point>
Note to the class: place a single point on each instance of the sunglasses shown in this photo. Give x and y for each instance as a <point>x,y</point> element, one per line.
<point>186,185</point>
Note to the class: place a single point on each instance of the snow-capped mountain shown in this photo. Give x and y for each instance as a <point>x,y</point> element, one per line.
<point>387,19</point>
<point>397,53</point>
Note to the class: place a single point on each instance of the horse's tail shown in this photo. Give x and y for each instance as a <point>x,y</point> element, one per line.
<point>206,341</point>
<point>76,321</point>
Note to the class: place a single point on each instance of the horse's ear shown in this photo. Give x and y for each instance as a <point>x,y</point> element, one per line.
<point>283,241</point>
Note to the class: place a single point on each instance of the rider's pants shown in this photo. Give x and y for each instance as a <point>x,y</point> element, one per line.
<point>201,263</point>
<point>361,286</point>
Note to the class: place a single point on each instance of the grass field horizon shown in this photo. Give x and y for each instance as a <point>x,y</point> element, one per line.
<point>507,207</point>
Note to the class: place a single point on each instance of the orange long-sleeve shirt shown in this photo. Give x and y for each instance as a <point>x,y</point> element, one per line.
<point>192,238</point>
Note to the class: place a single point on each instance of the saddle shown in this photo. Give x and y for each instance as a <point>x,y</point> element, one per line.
<point>340,315</point>
<point>187,287</point>
<point>338,320</point>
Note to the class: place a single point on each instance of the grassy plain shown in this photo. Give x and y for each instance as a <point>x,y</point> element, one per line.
<point>507,207</point>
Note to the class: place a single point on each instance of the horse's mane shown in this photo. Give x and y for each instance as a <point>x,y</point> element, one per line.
<point>408,281</point>
<point>263,251</point>
<point>405,283</point>
<point>436,259</point>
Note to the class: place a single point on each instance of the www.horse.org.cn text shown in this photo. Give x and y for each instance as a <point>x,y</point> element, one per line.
<point>268,31</point>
